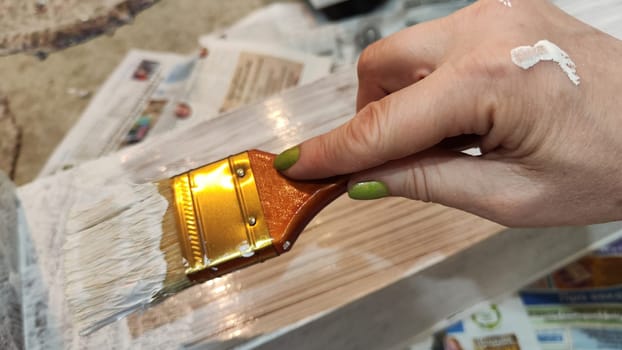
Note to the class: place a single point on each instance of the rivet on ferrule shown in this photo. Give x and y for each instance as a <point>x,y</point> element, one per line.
<point>252,220</point>
<point>240,172</point>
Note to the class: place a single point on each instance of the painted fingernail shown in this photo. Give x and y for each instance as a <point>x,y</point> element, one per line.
<point>368,190</point>
<point>287,158</point>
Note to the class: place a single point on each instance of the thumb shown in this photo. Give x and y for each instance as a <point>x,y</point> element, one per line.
<point>487,188</point>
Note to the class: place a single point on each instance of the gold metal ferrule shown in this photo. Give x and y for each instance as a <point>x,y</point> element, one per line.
<point>220,218</point>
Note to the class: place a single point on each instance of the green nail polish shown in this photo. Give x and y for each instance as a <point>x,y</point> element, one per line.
<point>287,158</point>
<point>368,190</point>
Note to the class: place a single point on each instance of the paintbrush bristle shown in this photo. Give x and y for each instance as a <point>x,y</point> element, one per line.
<point>121,252</point>
<point>176,279</point>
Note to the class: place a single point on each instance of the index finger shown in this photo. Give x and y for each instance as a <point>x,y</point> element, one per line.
<point>403,123</point>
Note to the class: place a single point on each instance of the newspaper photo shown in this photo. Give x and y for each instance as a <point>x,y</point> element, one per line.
<point>501,326</point>
<point>579,307</point>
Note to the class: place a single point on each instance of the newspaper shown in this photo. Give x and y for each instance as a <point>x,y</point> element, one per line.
<point>501,326</point>
<point>236,73</point>
<point>295,26</point>
<point>152,92</point>
<point>579,307</point>
<point>280,46</point>
<point>113,110</point>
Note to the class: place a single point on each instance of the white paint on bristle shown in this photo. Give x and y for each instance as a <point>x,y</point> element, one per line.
<point>112,251</point>
<point>544,50</point>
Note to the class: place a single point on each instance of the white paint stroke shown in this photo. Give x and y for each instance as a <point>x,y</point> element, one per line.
<point>544,50</point>
<point>113,261</point>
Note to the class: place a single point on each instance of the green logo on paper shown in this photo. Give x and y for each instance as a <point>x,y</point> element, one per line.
<point>487,319</point>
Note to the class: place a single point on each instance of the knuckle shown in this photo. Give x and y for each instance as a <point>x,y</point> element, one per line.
<point>496,69</point>
<point>485,80</point>
<point>328,156</point>
<point>367,129</point>
<point>361,139</point>
<point>487,64</point>
<point>417,184</point>
<point>367,59</point>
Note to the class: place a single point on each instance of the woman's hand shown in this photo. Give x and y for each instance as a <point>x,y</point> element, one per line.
<point>552,150</point>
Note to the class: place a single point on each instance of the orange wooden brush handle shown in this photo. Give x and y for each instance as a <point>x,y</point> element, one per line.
<point>289,205</point>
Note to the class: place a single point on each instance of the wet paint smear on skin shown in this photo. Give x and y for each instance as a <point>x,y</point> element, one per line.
<point>544,50</point>
<point>507,3</point>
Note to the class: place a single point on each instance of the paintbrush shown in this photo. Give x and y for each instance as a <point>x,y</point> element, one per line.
<point>219,218</point>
